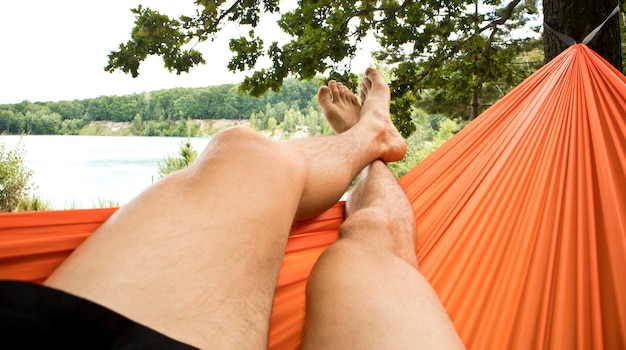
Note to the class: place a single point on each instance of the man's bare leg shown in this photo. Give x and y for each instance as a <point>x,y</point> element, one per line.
<point>197,255</point>
<point>365,291</point>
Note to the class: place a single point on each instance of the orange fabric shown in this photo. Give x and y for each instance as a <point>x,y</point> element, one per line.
<point>521,219</point>
<point>33,244</point>
<point>522,214</point>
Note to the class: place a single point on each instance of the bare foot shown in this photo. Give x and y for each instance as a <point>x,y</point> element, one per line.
<point>340,106</point>
<point>376,99</point>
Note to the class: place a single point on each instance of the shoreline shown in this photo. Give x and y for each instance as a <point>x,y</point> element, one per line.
<point>206,127</point>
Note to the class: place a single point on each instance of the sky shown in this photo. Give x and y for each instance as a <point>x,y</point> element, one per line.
<point>57,50</point>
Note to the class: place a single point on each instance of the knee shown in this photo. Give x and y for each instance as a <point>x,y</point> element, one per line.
<point>363,240</point>
<point>235,138</point>
<point>371,218</point>
<point>369,227</point>
<point>361,237</point>
<point>375,231</point>
<point>245,142</point>
<point>251,151</point>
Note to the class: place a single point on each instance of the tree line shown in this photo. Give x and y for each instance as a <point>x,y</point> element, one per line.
<point>162,112</point>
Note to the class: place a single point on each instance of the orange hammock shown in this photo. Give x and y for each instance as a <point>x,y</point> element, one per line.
<point>521,219</point>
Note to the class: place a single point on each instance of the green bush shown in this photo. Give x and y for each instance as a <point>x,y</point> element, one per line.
<point>14,177</point>
<point>34,203</point>
<point>186,156</point>
<point>425,140</point>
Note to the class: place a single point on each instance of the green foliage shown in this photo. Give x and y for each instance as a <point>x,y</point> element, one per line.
<point>431,131</point>
<point>272,124</point>
<point>289,120</point>
<point>155,34</point>
<point>460,47</point>
<point>71,126</point>
<point>186,156</point>
<point>14,177</point>
<point>34,203</point>
<point>156,113</point>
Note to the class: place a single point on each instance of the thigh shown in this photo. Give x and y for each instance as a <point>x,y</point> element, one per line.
<point>197,255</point>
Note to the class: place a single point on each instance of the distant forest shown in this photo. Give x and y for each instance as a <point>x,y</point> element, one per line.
<point>156,113</point>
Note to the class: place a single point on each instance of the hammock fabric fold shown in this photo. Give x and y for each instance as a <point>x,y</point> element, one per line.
<point>521,220</point>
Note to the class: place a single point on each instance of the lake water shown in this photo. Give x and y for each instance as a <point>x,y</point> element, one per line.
<point>83,171</point>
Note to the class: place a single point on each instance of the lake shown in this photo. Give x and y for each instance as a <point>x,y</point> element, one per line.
<point>83,171</point>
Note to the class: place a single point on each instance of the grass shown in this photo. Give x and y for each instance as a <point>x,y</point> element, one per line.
<point>34,203</point>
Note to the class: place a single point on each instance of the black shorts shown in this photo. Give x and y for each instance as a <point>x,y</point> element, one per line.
<point>37,317</point>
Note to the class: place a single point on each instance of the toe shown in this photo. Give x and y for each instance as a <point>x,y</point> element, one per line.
<point>363,91</point>
<point>334,89</point>
<point>324,96</point>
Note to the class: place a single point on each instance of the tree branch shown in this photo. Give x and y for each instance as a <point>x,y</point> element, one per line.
<point>493,25</point>
<point>213,27</point>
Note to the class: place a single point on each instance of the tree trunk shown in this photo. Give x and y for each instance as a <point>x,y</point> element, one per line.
<point>474,104</point>
<point>576,19</point>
